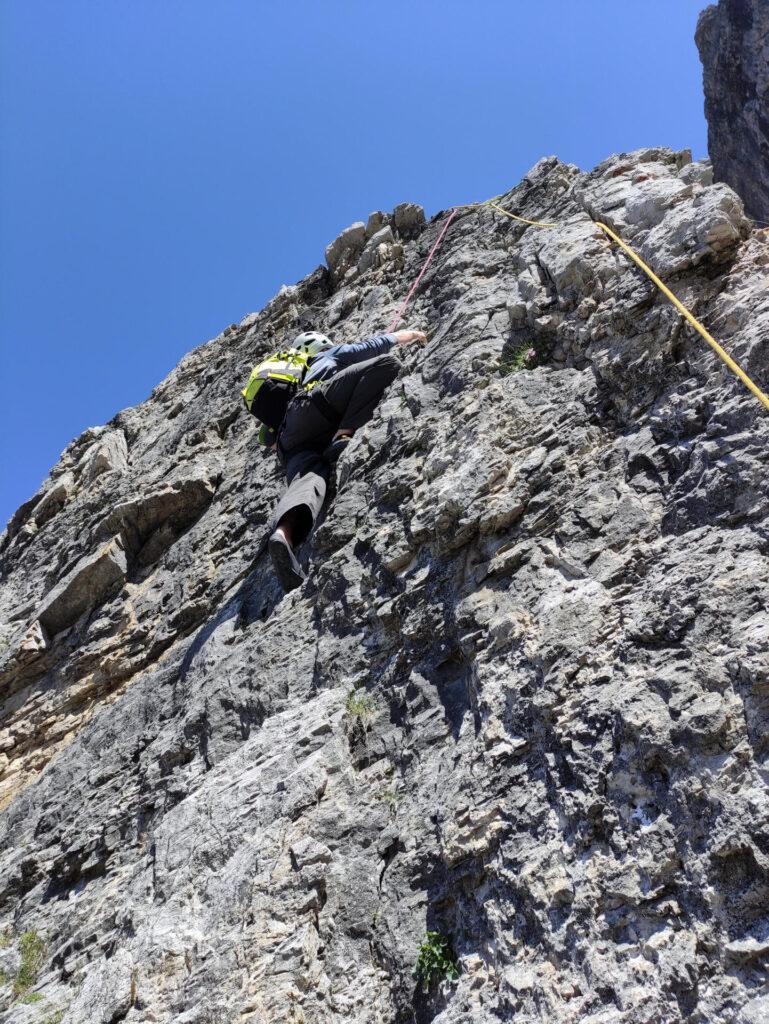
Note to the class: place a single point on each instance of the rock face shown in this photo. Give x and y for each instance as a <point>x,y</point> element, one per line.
<point>521,701</point>
<point>733,40</point>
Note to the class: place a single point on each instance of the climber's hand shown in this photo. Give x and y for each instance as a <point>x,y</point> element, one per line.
<point>408,337</point>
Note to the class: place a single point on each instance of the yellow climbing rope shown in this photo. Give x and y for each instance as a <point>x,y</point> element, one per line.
<point>521,220</point>
<point>687,314</point>
<point>499,209</point>
<point>723,355</point>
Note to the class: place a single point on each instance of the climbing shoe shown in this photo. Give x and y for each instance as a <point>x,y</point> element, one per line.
<point>335,449</point>
<point>287,567</point>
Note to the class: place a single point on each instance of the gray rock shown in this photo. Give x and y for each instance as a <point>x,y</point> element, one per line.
<point>84,587</point>
<point>520,700</point>
<point>108,992</point>
<point>54,499</point>
<point>409,219</point>
<point>376,221</point>
<point>733,41</point>
<point>110,454</point>
<point>371,255</point>
<point>756,1011</point>
<point>346,246</point>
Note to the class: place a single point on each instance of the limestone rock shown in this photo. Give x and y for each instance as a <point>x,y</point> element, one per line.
<point>110,454</point>
<point>84,587</point>
<point>409,219</point>
<point>54,499</point>
<point>35,641</point>
<point>521,700</point>
<point>346,246</point>
<point>108,992</point>
<point>371,254</point>
<point>376,221</point>
<point>733,40</point>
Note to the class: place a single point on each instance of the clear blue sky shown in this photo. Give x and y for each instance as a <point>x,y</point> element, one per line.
<point>168,164</point>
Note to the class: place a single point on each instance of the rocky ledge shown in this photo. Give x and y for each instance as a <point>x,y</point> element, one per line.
<point>520,704</point>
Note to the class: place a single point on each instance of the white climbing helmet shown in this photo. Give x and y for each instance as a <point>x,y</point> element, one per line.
<point>312,342</point>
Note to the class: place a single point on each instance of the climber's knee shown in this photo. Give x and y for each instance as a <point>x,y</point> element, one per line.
<point>389,367</point>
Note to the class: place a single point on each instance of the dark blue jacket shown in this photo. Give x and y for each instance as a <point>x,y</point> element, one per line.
<point>327,363</point>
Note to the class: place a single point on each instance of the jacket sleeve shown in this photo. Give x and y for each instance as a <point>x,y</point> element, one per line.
<point>369,348</point>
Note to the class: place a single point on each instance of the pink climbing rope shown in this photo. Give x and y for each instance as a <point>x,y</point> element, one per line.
<point>415,285</point>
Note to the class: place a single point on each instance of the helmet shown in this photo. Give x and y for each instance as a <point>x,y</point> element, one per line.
<point>312,342</point>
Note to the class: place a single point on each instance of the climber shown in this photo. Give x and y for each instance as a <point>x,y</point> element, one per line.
<point>311,426</point>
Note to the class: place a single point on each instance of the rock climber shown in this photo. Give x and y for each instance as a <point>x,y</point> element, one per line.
<point>316,424</point>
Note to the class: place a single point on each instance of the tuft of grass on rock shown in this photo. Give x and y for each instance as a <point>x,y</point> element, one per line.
<point>30,997</point>
<point>32,949</point>
<point>360,704</point>
<point>522,358</point>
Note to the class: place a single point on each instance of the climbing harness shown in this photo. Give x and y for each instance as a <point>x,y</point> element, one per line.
<point>686,313</point>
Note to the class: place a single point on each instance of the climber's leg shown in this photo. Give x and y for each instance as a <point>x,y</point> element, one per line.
<point>329,412</point>
<point>354,393</point>
<point>296,514</point>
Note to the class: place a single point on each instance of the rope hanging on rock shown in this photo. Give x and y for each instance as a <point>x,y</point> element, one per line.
<point>421,274</point>
<point>686,313</point>
<point>720,352</point>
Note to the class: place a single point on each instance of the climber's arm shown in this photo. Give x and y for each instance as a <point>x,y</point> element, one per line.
<point>346,355</point>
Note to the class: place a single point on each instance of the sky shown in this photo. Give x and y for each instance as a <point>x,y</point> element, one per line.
<point>166,165</point>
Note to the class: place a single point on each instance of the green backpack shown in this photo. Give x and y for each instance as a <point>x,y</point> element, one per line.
<point>271,387</point>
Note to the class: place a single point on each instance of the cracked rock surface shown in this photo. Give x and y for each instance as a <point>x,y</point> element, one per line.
<point>733,40</point>
<point>521,700</point>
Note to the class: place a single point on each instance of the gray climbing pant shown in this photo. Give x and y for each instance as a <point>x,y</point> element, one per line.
<point>343,402</point>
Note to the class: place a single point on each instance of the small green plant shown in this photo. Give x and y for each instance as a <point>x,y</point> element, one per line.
<point>4,977</point>
<point>360,704</point>
<point>522,358</point>
<point>55,1018</point>
<point>6,938</point>
<point>30,997</point>
<point>32,949</point>
<point>436,961</point>
<point>391,798</point>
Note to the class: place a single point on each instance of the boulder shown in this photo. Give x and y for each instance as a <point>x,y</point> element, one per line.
<point>409,219</point>
<point>346,246</point>
<point>370,255</point>
<point>376,221</point>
